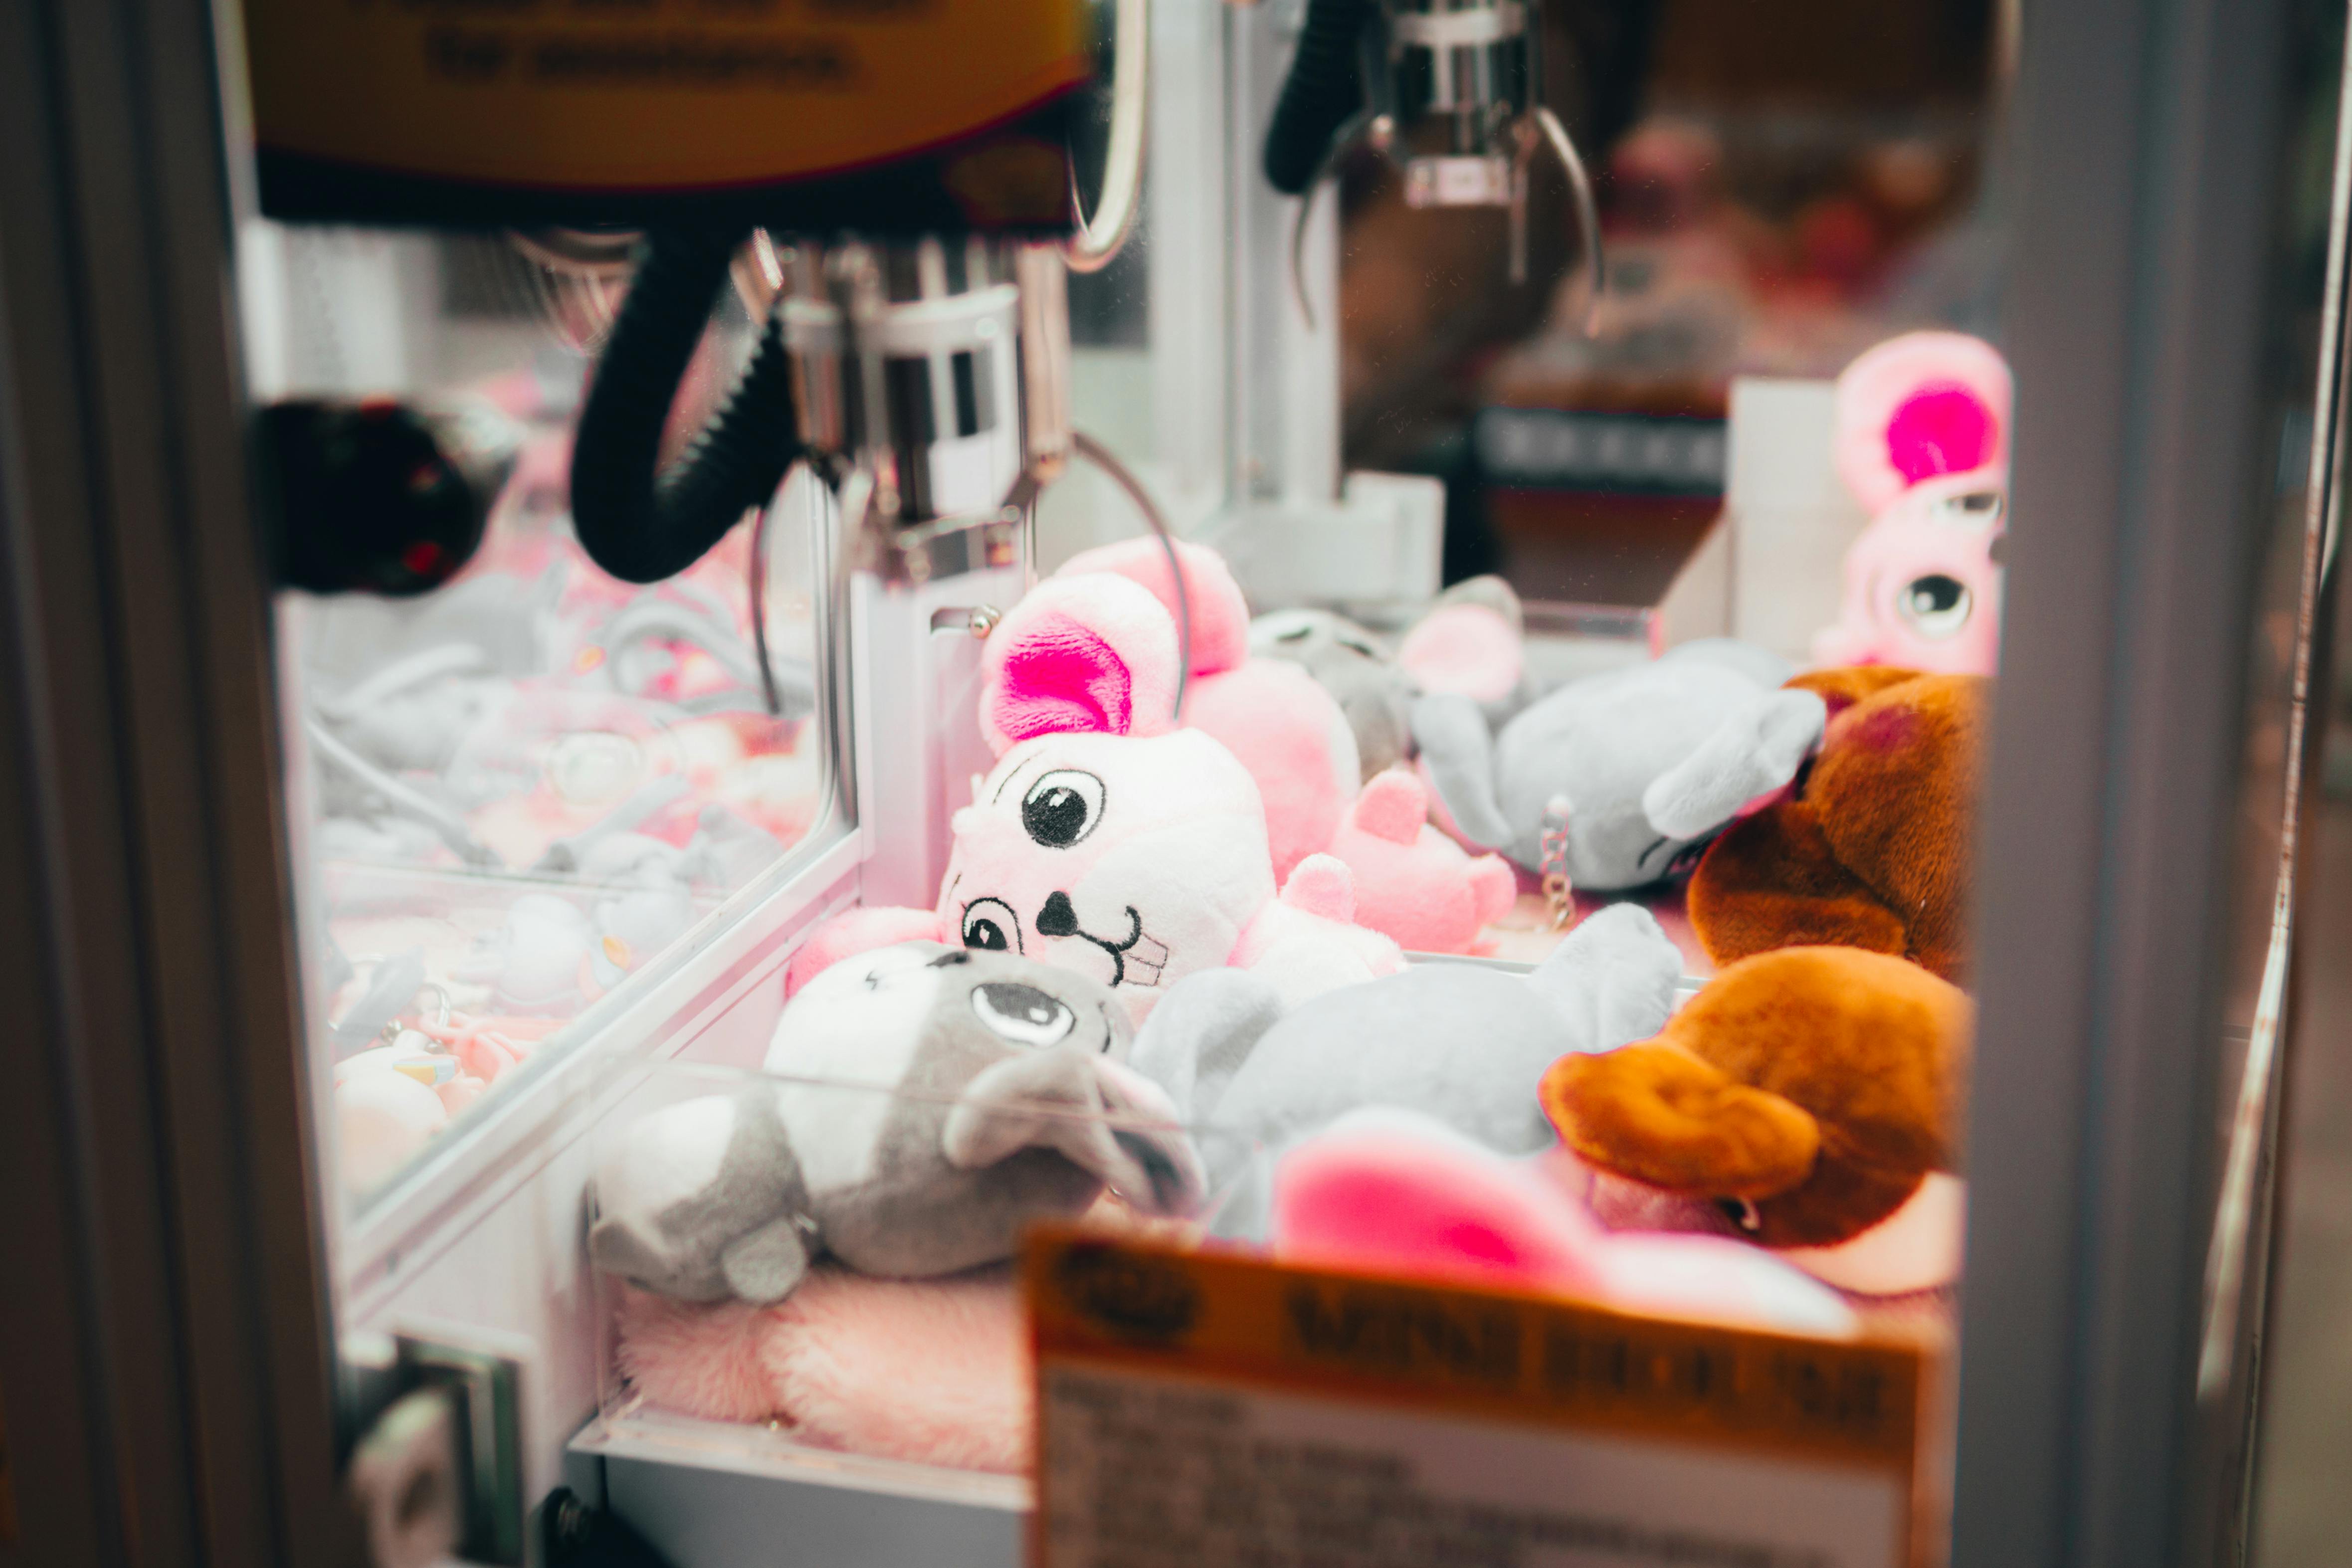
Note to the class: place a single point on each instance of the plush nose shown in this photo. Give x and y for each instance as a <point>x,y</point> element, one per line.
<point>1058,917</point>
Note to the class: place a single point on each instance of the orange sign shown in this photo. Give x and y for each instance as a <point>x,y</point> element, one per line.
<point>1248,1411</point>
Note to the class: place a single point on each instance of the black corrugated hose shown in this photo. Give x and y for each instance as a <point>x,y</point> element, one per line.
<point>1326,85</point>
<point>642,526</point>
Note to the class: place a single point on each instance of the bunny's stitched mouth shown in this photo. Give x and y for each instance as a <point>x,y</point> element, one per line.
<point>1137,961</point>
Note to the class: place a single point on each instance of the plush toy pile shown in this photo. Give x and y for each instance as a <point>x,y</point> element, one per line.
<point>1164,987</point>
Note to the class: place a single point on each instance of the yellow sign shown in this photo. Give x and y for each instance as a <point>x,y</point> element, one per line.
<point>635,99</point>
<point>1203,1407</point>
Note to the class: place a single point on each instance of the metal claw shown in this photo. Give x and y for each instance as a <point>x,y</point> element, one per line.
<point>1517,242</point>
<point>1587,212</point>
<point>1364,126</point>
<point>1104,459</point>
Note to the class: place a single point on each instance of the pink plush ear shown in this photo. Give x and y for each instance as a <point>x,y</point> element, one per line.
<point>1919,405</point>
<point>1093,653</point>
<point>1322,885</point>
<point>1220,615</point>
<point>1467,648</point>
<point>1387,1201</point>
<point>1393,806</point>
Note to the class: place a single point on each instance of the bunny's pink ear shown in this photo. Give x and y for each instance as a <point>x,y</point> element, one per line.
<point>1472,649</point>
<point>1393,806</point>
<point>1093,653</point>
<point>1919,405</point>
<point>1220,613</point>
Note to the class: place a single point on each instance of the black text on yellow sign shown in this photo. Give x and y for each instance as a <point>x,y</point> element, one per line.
<point>879,114</point>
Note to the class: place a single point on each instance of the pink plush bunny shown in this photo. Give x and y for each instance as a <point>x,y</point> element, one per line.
<point>1411,882</point>
<point>1285,729</point>
<point>1395,1192</point>
<point>1109,841</point>
<point>1923,423</point>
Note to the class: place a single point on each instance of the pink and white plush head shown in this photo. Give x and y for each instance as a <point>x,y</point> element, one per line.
<point>1923,432</point>
<point>1283,726</point>
<point>1105,840</point>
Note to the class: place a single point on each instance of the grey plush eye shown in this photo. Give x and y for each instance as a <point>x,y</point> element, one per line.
<point>1936,605</point>
<point>1062,807</point>
<point>991,925</point>
<point>1979,508</point>
<point>1295,634</point>
<point>1021,1014</point>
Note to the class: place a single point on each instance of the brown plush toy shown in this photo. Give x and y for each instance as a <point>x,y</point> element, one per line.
<point>1813,1094</point>
<point>1872,850</point>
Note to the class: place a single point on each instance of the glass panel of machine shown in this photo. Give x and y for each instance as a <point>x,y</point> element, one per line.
<point>523,787</point>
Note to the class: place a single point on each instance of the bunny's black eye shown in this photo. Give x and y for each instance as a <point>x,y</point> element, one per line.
<point>1062,807</point>
<point>991,923</point>
<point>1937,606</point>
<point>1979,508</point>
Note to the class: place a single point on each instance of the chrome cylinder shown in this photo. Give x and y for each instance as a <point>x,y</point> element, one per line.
<point>1468,62</point>
<point>906,359</point>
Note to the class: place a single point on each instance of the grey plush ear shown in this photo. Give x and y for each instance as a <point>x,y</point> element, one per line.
<point>1200,1034</point>
<point>1753,752</point>
<point>1613,979</point>
<point>1458,749</point>
<point>1058,1099</point>
<point>765,1265</point>
<point>616,1245</point>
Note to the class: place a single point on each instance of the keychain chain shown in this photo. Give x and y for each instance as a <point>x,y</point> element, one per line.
<point>1560,893</point>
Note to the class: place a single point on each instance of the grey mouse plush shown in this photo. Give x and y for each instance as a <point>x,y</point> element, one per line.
<point>1653,759</point>
<point>1354,667</point>
<point>1376,682</point>
<point>998,1097</point>
<point>1462,1043</point>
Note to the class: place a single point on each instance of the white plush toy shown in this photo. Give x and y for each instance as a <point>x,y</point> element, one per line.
<point>931,1105</point>
<point>1109,841</point>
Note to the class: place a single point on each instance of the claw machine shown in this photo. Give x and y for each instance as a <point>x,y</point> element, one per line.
<point>1130,781</point>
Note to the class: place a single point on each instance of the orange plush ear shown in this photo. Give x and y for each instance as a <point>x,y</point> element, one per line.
<point>1658,1115</point>
<point>1773,881</point>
